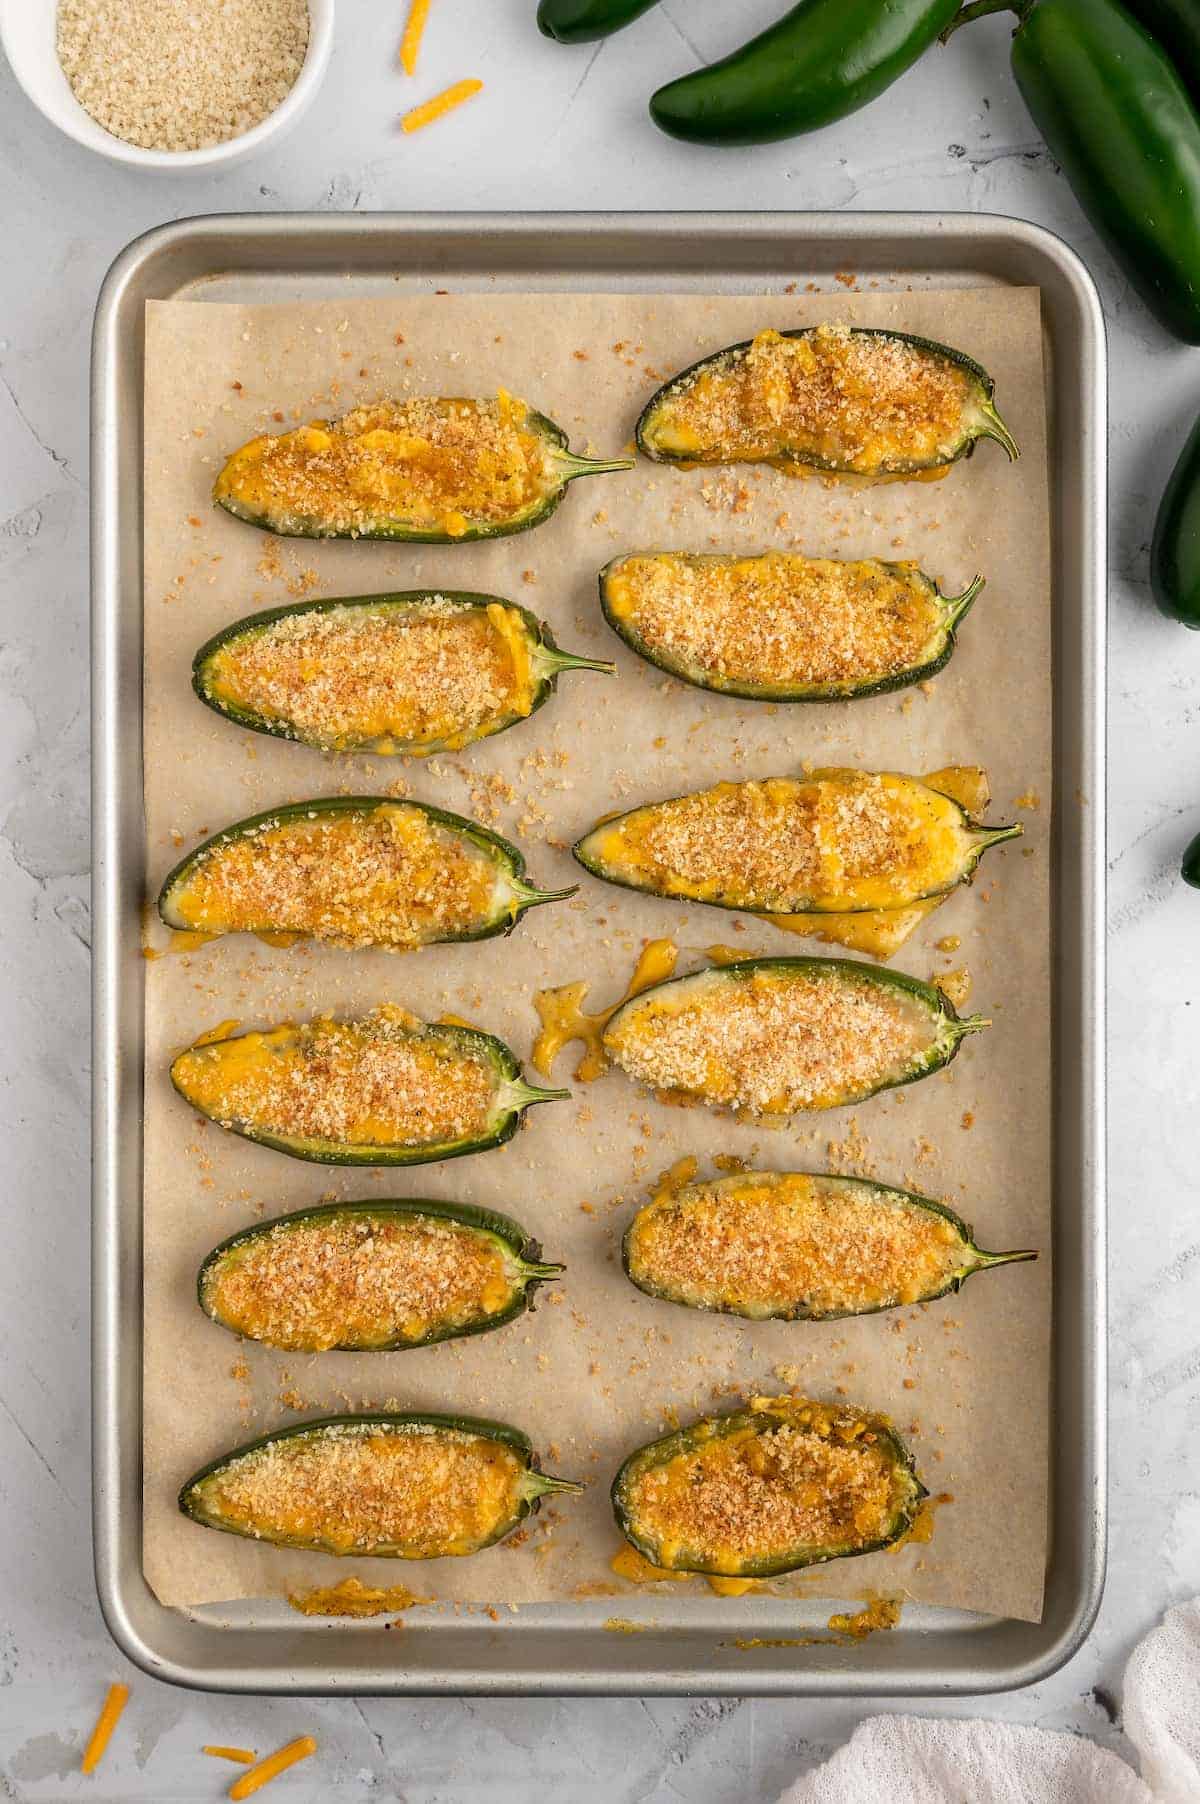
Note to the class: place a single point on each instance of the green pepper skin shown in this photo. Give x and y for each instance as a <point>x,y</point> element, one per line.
<point>1176,25</point>
<point>545,655</point>
<point>570,468</point>
<point>982,422</point>
<point>1175,548</point>
<point>687,1440</point>
<point>580,21</point>
<point>974,1258</point>
<point>823,60</point>
<point>507,859</point>
<point>486,1223</point>
<point>513,1097</point>
<point>534,1485</point>
<point>1119,122</point>
<point>1191,863</point>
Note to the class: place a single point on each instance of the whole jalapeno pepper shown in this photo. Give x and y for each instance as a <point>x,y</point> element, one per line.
<point>824,59</point>
<point>579,21</point>
<point>1118,120</point>
<point>1175,549</point>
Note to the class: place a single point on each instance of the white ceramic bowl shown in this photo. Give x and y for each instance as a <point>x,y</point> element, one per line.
<point>27,33</point>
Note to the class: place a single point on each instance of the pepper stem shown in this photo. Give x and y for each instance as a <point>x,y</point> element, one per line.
<point>994,427</point>
<point>996,835</point>
<point>590,466</point>
<point>551,660</point>
<point>526,896</point>
<point>540,1484</point>
<point>959,606</point>
<point>983,1260</point>
<point>521,1095</point>
<point>979,9</point>
<point>967,1024</point>
<point>541,1269</point>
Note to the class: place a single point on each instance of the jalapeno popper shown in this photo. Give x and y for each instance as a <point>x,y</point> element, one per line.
<point>837,842</point>
<point>774,1036</point>
<point>403,1487</point>
<point>353,871</point>
<point>784,1484</point>
<point>780,627</point>
<point>372,1276</point>
<point>851,400</point>
<point>797,1246</point>
<point>417,672</point>
<point>439,469</point>
<point>386,1089</point>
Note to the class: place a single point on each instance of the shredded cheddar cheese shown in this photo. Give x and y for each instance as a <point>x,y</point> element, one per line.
<point>442,464</point>
<point>389,875</point>
<point>415,679</point>
<point>106,1722</point>
<point>767,1243</point>
<point>414,31</point>
<point>777,621</point>
<point>867,403</point>
<point>363,1489</point>
<point>740,1494</point>
<point>442,103</point>
<point>272,1766</point>
<point>243,1756</point>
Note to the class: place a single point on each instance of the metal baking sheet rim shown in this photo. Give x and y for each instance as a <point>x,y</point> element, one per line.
<point>935,1652</point>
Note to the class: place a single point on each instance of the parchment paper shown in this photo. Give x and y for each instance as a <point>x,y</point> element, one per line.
<point>592,1372</point>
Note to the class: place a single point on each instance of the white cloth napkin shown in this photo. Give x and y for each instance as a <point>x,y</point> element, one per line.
<point>930,1760</point>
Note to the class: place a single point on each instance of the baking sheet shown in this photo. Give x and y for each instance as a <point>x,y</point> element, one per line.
<point>589,1376</point>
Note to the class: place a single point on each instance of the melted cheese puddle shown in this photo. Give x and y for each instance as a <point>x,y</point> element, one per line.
<point>564,1018</point>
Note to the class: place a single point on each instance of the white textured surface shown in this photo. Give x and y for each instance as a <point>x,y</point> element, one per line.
<point>555,128</point>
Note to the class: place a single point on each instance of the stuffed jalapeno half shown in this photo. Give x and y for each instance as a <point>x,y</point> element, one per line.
<point>850,400</point>
<point>837,842</point>
<point>402,1487</point>
<point>372,1276</point>
<point>417,672</point>
<point>775,1036</point>
<point>780,627</point>
<point>797,1246</point>
<point>436,469</point>
<point>784,1484</point>
<point>353,871</point>
<point>385,1089</point>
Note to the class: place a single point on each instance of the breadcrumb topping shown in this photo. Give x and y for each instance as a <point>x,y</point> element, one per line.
<point>433,676</point>
<point>866,403</point>
<point>779,620</point>
<point>839,840</point>
<point>812,1482</point>
<point>772,1242</point>
<point>426,1492</point>
<point>384,1080</point>
<point>389,877</point>
<point>430,464</point>
<point>181,74</point>
<point>770,1044</point>
<point>357,1280</point>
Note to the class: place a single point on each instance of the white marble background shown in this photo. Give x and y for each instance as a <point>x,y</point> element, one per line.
<point>555,128</point>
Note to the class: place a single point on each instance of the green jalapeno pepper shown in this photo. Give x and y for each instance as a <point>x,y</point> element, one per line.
<point>1175,549</point>
<point>824,59</point>
<point>579,21</point>
<point>1118,120</point>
